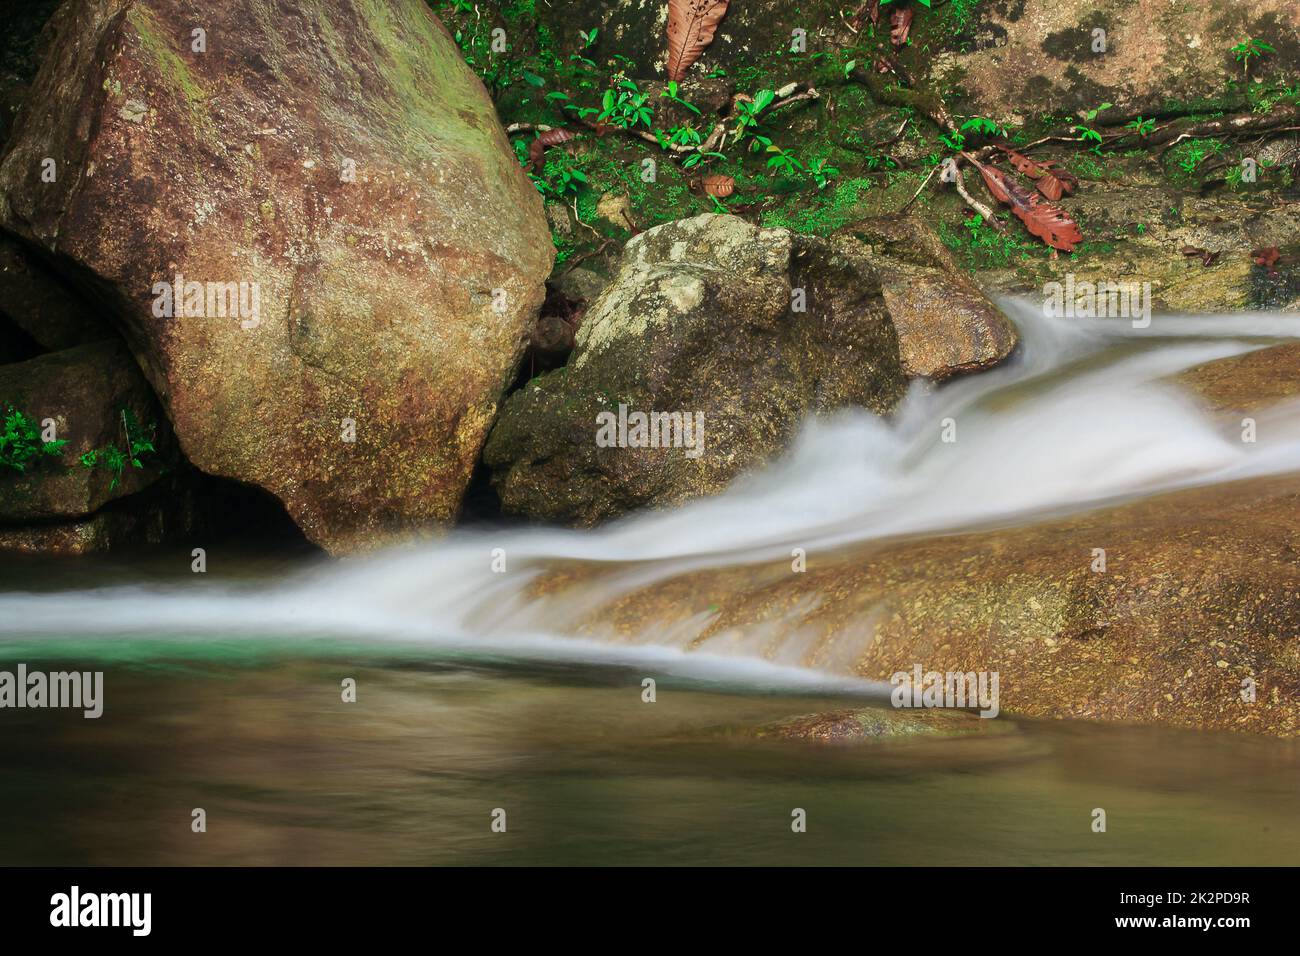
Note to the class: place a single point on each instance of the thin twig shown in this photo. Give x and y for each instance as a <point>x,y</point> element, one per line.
<point>903,208</point>
<point>974,203</point>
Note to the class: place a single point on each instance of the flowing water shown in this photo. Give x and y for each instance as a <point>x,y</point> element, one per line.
<point>223,690</point>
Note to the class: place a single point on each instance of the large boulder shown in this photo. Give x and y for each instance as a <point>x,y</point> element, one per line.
<point>360,248</point>
<point>740,330</point>
<point>748,330</point>
<point>94,398</point>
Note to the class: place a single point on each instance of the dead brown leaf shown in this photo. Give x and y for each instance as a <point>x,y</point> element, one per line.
<point>691,26</point>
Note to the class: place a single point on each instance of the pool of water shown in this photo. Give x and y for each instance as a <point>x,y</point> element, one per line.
<point>587,772</point>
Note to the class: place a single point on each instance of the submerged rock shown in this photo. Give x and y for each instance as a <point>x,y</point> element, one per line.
<point>359,251</point>
<point>735,333</point>
<point>1246,383</point>
<point>869,723</point>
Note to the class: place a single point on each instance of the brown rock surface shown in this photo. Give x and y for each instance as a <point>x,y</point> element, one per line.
<point>699,321</point>
<point>41,304</point>
<point>397,297</point>
<point>86,391</point>
<point>1201,594</point>
<point>1247,383</point>
<point>946,325</point>
<point>1032,56</point>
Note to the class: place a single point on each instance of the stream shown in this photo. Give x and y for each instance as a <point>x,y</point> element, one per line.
<point>222,690</point>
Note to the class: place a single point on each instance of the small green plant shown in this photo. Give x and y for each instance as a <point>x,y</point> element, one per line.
<point>748,113</point>
<point>821,173</point>
<point>139,442</point>
<point>1264,96</point>
<point>1249,49</point>
<point>1191,154</point>
<point>679,136</point>
<point>560,178</point>
<point>1141,127</point>
<point>670,94</point>
<point>983,247</point>
<point>1086,133</point>
<point>21,443</point>
<point>984,125</point>
<point>783,163</point>
<point>694,159</point>
<point>624,105</point>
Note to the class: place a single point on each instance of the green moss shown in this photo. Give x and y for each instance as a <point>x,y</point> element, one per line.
<point>978,246</point>
<point>171,67</point>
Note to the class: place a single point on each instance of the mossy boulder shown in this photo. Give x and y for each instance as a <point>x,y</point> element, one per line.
<point>741,332</point>
<point>1137,222</point>
<point>750,329</point>
<point>93,394</point>
<point>339,161</point>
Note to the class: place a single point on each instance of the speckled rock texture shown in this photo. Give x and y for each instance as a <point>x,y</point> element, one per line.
<point>946,325</point>
<point>1195,622</point>
<point>752,329</point>
<point>336,156</point>
<point>1030,56</point>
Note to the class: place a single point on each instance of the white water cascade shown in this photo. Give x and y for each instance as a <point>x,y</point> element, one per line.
<point>1081,416</point>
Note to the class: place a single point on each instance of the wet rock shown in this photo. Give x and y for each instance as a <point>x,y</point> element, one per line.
<point>946,325</point>
<point>92,394</point>
<point>616,210</point>
<point>162,513</point>
<point>731,334</point>
<point>580,285</point>
<point>366,251</point>
<point>1138,223</point>
<point>1195,621</point>
<point>855,726</point>
<point>1246,383</point>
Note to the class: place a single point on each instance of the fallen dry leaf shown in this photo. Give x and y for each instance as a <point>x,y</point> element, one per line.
<point>691,26</point>
<point>544,141</point>
<point>900,26</point>
<point>718,185</point>
<point>1048,222</point>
